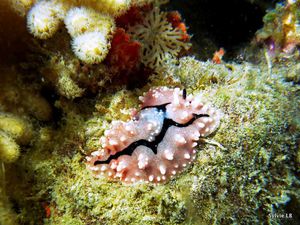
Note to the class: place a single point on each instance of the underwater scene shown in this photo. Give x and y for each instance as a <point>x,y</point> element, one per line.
<point>149,112</point>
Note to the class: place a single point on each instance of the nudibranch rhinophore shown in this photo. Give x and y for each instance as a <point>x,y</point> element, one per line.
<point>159,142</point>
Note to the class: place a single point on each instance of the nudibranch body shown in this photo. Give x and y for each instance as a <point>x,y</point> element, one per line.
<point>159,142</point>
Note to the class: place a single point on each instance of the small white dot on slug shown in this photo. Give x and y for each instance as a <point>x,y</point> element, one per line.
<point>128,128</point>
<point>195,137</point>
<point>194,157</point>
<point>169,155</point>
<point>94,168</point>
<point>163,177</point>
<point>149,126</point>
<point>162,169</point>
<point>158,178</point>
<point>133,179</point>
<point>113,142</point>
<point>96,153</point>
<point>184,115</point>
<point>176,166</point>
<point>184,164</point>
<point>141,98</point>
<point>103,168</point>
<point>194,151</point>
<point>113,166</point>
<point>110,173</point>
<point>123,138</point>
<point>205,119</point>
<point>126,179</point>
<point>118,175</point>
<point>187,156</point>
<point>137,174</point>
<point>120,167</point>
<point>179,139</point>
<point>207,130</point>
<point>173,172</point>
<point>200,125</point>
<point>151,177</point>
<point>88,158</point>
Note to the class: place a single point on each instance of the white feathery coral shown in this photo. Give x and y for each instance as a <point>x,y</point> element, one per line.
<point>91,32</point>
<point>158,37</point>
<point>91,47</point>
<point>81,19</point>
<point>44,18</point>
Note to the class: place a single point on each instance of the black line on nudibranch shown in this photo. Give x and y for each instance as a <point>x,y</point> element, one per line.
<point>167,123</point>
<point>184,93</point>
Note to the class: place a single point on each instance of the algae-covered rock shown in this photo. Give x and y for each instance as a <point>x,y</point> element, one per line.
<point>18,128</point>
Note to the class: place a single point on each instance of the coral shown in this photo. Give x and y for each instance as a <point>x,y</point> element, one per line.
<point>90,31</point>
<point>175,19</point>
<point>82,23</point>
<point>159,142</point>
<point>281,31</point>
<point>81,20</point>
<point>158,38</point>
<point>13,130</point>
<point>44,18</point>
<point>218,55</point>
<point>91,47</point>
<point>67,87</point>
<point>124,55</point>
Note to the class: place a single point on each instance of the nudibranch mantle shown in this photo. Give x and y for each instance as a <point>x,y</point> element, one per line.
<point>159,142</point>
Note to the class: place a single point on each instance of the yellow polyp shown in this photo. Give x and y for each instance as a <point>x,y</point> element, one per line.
<point>9,149</point>
<point>16,127</point>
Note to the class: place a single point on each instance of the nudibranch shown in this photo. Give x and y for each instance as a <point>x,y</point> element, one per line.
<point>158,142</point>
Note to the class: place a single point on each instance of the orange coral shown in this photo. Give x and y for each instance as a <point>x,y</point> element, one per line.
<point>175,19</point>
<point>217,58</point>
<point>124,54</point>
